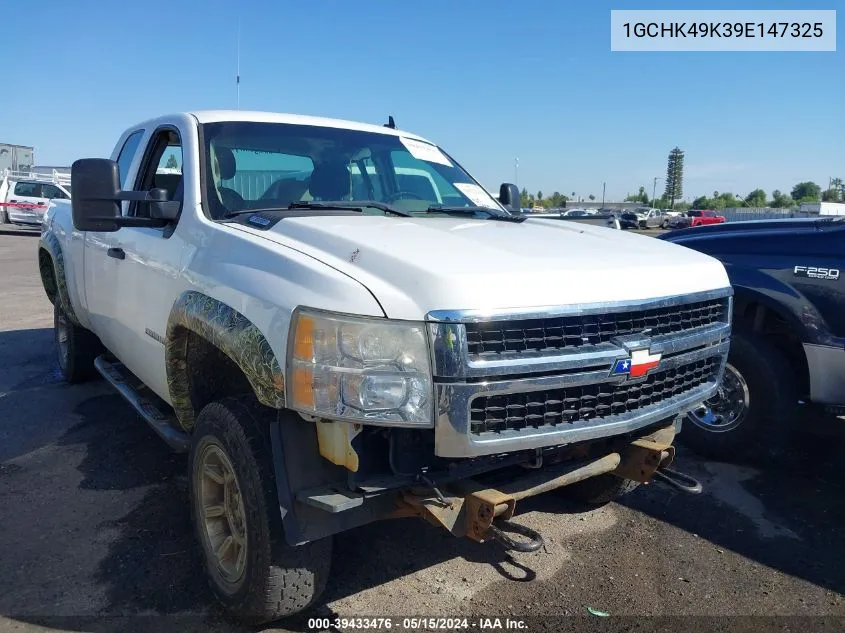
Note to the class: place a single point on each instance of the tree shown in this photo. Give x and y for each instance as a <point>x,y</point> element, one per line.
<point>557,199</point>
<point>702,202</point>
<point>780,200</point>
<point>831,195</point>
<point>756,198</point>
<point>640,196</point>
<point>539,195</point>
<point>806,192</point>
<point>591,197</point>
<point>674,176</point>
<point>727,200</point>
<point>523,198</point>
<point>171,162</point>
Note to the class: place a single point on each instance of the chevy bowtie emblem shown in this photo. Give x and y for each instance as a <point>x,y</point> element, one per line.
<point>639,364</point>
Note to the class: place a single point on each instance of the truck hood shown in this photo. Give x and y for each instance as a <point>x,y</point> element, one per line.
<point>416,265</point>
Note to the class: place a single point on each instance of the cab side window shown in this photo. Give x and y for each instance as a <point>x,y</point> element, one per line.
<point>52,192</point>
<point>161,168</point>
<point>127,153</point>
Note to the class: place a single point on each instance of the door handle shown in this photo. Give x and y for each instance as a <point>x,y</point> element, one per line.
<point>117,253</point>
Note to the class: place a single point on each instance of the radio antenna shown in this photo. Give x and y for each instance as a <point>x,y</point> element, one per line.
<point>238,75</point>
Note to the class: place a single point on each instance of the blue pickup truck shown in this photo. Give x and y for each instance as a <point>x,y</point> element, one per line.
<point>788,343</point>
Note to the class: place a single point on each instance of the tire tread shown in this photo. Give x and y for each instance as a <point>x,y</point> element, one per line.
<point>83,348</point>
<point>284,580</point>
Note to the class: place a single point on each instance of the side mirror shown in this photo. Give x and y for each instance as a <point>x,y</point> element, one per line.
<point>160,207</point>
<point>96,199</point>
<point>95,183</point>
<point>509,196</point>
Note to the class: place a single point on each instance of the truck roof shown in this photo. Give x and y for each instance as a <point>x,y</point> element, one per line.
<point>215,116</point>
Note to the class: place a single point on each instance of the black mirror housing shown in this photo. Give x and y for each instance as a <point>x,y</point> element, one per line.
<point>509,197</point>
<point>95,203</point>
<point>97,196</point>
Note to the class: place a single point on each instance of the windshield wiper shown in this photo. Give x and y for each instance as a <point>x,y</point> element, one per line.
<point>491,214</point>
<point>349,205</point>
<point>343,205</point>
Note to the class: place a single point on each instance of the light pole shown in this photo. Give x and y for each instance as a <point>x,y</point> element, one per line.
<point>516,170</point>
<point>654,190</point>
<point>603,186</point>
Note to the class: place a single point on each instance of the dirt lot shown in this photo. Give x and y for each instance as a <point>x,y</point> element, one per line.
<point>94,530</point>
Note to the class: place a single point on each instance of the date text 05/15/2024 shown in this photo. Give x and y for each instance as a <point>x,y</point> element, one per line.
<point>417,623</point>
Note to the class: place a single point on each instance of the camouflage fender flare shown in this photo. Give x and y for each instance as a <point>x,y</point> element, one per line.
<point>50,243</point>
<point>233,334</point>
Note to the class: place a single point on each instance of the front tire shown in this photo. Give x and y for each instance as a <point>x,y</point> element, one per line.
<point>755,404</point>
<point>76,347</point>
<point>599,490</point>
<point>235,511</point>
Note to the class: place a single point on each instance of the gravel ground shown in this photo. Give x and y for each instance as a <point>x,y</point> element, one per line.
<point>95,531</point>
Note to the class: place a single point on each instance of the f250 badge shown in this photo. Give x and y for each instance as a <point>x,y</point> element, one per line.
<point>815,272</point>
<point>638,365</point>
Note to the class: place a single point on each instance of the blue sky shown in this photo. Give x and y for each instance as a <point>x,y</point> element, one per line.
<point>487,80</point>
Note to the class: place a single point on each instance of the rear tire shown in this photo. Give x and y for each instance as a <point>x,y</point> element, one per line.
<point>665,225</point>
<point>76,347</point>
<point>258,577</point>
<point>599,490</point>
<point>756,403</point>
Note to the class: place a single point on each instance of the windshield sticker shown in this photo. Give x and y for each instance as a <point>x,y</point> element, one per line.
<point>424,151</point>
<point>476,194</point>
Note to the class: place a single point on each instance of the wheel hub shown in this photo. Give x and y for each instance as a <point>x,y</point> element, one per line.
<point>727,409</point>
<point>222,512</point>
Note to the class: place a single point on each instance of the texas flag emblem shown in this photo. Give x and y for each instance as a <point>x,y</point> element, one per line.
<point>640,363</point>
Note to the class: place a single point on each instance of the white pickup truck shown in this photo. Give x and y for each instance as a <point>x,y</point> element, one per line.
<point>333,349</point>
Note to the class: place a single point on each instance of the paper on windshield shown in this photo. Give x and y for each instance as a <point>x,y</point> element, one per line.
<point>476,194</point>
<point>425,151</point>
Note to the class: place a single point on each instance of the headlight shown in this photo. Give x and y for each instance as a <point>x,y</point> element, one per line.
<point>362,369</point>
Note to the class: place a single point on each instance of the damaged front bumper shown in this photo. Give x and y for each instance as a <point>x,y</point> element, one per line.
<point>472,508</point>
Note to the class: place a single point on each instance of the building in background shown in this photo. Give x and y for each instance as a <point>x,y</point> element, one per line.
<point>16,157</point>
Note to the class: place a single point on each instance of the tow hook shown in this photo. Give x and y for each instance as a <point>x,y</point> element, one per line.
<point>499,529</point>
<point>678,480</point>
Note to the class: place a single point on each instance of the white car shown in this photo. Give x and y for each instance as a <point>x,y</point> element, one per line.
<point>335,346</point>
<point>27,199</point>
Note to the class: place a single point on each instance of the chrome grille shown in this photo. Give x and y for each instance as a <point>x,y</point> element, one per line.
<point>570,404</point>
<point>490,339</point>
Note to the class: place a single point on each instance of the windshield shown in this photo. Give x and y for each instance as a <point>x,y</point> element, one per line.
<point>252,165</point>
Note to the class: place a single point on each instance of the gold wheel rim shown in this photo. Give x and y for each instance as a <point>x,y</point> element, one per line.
<point>222,513</point>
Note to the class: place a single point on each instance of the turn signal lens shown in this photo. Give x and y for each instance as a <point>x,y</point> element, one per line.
<point>303,345</point>
<point>303,388</point>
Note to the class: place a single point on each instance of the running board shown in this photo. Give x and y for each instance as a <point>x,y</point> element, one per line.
<point>148,405</point>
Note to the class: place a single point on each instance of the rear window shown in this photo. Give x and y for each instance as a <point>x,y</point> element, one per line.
<point>32,189</point>
<point>419,185</point>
